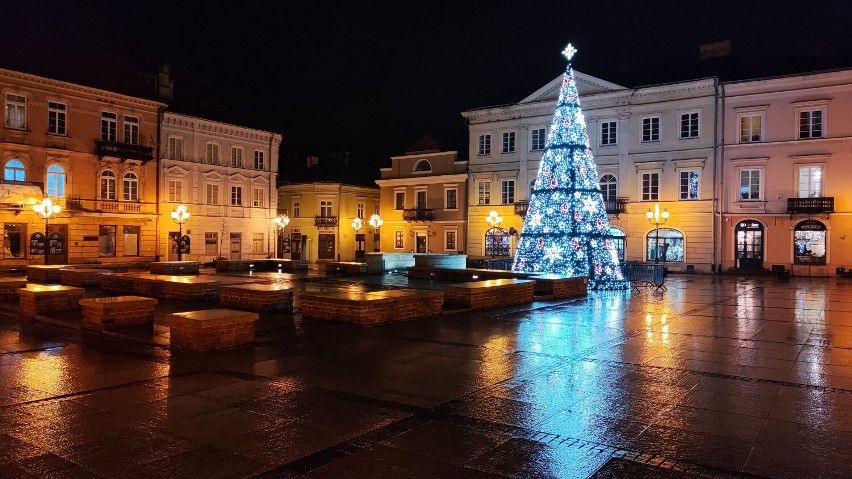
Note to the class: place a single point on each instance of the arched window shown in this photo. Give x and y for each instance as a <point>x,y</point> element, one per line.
<point>423,165</point>
<point>809,244</point>
<point>130,187</point>
<point>107,185</point>
<point>609,187</point>
<point>55,181</point>
<point>617,239</point>
<point>14,171</point>
<point>497,242</point>
<point>666,245</point>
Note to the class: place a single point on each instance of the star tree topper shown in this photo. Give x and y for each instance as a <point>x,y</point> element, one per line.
<point>569,51</point>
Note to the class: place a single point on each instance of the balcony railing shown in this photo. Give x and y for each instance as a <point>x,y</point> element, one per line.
<point>615,207</point>
<point>418,215</point>
<point>810,205</point>
<point>521,208</point>
<point>124,151</point>
<point>38,184</point>
<point>76,203</point>
<point>325,221</point>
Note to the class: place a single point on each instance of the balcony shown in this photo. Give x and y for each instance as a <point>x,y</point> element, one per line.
<point>615,207</point>
<point>418,215</point>
<point>124,151</point>
<point>521,208</point>
<point>810,205</point>
<point>325,221</point>
<point>79,204</point>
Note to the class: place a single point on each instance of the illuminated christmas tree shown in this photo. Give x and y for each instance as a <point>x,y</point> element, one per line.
<point>566,230</point>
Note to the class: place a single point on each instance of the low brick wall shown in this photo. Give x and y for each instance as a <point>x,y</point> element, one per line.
<point>211,329</point>
<point>117,311</point>
<point>44,274</point>
<point>243,265</point>
<point>81,277</point>
<point>371,308</point>
<point>346,268</point>
<point>256,297</point>
<point>9,287</point>
<point>38,299</point>
<point>189,288</point>
<point>561,287</point>
<point>466,274</point>
<point>489,294</point>
<point>176,268</point>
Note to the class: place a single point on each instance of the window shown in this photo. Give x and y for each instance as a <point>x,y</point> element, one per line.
<point>422,165</point>
<point>609,187</point>
<point>131,130</point>
<point>236,157</point>
<point>14,234</point>
<point>750,184</point>
<point>326,210</point>
<point>618,239</point>
<point>689,185</point>
<point>130,187</point>
<point>109,126</point>
<point>666,245</point>
<point>297,209</point>
<point>211,243</point>
<point>507,192</point>
<point>257,198</point>
<point>609,132</point>
<point>212,154</point>
<point>810,181</point>
<point>56,115</point>
<point>131,240</point>
<point>484,147</point>
<point>508,145</point>
<point>236,196</point>
<point>451,199</point>
<point>651,186</point>
<point>212,194</point>
<point>258,160</point>
<point>175,193</point>
<point>176,148</point>
<point>106,240</point>
<point>537,139</point>
<point>399,200</point>
<point>650,129</point>
<point>360,210</point>
<point>689,125</point>
<point>257,242</point>
<point>55,181</point>
<point>751,128</point>
<point>420,199</point>
<point>809,245</point>
<point>810,124</point>
<point>16,112</point>
<point>484,192</point>
<point>14,171</point>
<point>450,240</point>
<point>108,185</point>
<point>399,239</point>
<point>376,209</point>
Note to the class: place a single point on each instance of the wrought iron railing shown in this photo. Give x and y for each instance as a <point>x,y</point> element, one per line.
<point>810,205</point>
<point>521,208</point>
<point>124,151</point>
<point>325,221</point>
<point>616,206</point>
<point>418,215</point>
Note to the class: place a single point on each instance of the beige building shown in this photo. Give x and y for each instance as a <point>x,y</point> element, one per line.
<point>321,216</point>
<point>91,151</point>
<point>424,198</point>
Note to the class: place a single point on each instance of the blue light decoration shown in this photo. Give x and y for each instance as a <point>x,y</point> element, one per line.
<point>566,230</point>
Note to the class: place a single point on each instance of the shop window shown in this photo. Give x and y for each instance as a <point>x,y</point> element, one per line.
<point>809,243</point>
<point>666,245</point>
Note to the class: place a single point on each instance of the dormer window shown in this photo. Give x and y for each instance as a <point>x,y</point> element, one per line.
<point>422,166</point>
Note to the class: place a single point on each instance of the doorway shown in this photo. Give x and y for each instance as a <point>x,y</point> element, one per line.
<point>749,245</point>
<point>421,243</point>
<point>174,240</point>
<point>326,246</point>
<point>236,245</point>
<point>295,245</point>
<point>360,247</point>
<point>56,247</point>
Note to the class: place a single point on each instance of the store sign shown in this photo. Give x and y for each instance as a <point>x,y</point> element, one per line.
<point>810,225</point>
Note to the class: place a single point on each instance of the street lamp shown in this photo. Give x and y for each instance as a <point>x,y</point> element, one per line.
<point>654,218</point>
<point>281,221</point>
<point>45,209</point>
<point>376,222</point>
<point>180,215</point>
<point>356,225</point>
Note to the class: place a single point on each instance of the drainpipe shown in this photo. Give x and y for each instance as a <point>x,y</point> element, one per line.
<point>721,199</point>
<point>160,114</point>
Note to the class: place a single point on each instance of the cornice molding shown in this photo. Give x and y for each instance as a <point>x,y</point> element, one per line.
<point>422,180</point>
<point>212,127</point>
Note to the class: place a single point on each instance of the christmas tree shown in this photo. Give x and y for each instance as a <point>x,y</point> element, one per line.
<point>566,230</point>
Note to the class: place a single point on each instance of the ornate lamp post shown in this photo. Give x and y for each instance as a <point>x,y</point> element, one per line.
<point>356,225</point>
<point>45,209</point>
<point>281,222</point>
<point>376,223</point>
<point>180,215</point>
<point>654,218</point>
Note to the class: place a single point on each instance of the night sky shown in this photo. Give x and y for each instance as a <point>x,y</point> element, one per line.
<point>373,79</point>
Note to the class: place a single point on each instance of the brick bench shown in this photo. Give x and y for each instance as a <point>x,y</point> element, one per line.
<point>489,294</point>
<point>256,297</point>
<point>177,268</point>
<point>189,288</point>
<point>81,277</point>
<point>117,311</point>
<point>211,329</point>
<point>272,264</point>
<point>36,299</point>
<point>371,308</point>
<point>560,286</point>
<point>44,274</point>
<point>465,274</point>
<point>348,268</point>
<point>9,287</point>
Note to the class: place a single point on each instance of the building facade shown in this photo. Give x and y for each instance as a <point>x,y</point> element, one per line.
<point>225,175</point>
<point>321,221</point>
<point>785,196</point>
<point>424,198</point>
<point>91,152</point>
<point>653,146</point>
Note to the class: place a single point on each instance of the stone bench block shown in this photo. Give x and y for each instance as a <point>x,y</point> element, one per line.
<point>272,264</point>
<point>560,286</point>
<point>189,288</point>
<point>177,268</point>
<point>348,268</point>
<point>117,311</point>
<point>44,274</point>
<point>81,277</point>
<point>371,308</point>
<point>489,294</point>
<point>256,297</point>
<point>37,299</point>
<point>211,329</point>
<point>10,287</point>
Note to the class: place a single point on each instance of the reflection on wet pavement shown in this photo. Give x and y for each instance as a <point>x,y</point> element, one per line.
<point>718,377</point>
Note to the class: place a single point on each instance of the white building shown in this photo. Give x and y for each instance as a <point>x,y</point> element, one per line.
<point>225,175</point>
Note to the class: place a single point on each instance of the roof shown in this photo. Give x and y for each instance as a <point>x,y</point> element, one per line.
<point>427,144</point>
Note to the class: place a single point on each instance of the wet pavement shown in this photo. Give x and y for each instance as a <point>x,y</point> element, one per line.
<point>718,377</point>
